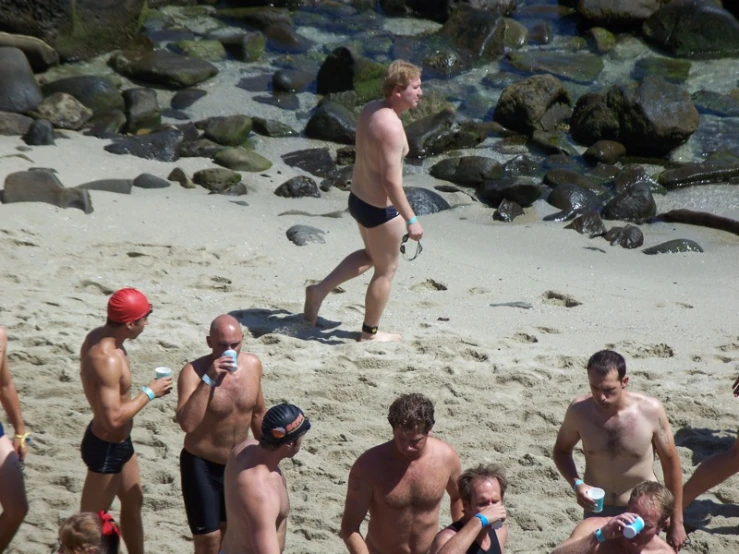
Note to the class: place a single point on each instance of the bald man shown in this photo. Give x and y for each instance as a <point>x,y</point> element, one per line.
<point>217,403</point>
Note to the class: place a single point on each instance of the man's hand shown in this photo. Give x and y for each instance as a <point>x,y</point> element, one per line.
<point>676,536</point>
<point>415,231</point>
<point>615,527</point>
<point>161,387</point>
<point>494,513</point>
<point>583,499</point>
<point>20,447</point>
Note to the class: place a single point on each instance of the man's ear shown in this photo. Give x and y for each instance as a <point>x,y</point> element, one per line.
<point>207,340</point>
<point>625,380</point>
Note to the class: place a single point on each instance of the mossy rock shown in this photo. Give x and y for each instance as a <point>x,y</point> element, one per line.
<point>210,50</point>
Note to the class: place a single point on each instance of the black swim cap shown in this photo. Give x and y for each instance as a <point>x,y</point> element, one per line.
<point>284,423</point>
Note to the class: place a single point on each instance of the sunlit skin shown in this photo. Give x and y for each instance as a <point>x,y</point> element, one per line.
<point>410,442</point>
<point>607,391</point>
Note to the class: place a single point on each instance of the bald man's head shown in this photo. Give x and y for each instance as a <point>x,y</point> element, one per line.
<point>225,334</point>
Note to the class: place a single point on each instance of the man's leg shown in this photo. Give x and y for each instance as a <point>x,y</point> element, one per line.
<point>132,499</point>
<point>383,246</point>
<point>99,491</point>
<point>711,472</point>
<point>210,543</point>
<point>12,493</point>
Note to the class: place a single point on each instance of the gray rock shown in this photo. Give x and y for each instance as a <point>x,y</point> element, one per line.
<point>442,132</point>
<point>343,70</point>
<point>605,151</point>
<point>710,172</point>
<point>216,179</point>
<point>97,93</point>
<point>245,47</point>
<point>560,176</point>
<point>588,223</point>
<point>272,128</point>
<point>635,204</point>
<point>162,145</point>
<point>142,110</point>
<point>626,237</point>
<point>316,161</point>
<point>200,148</point>
<point>673,247</point>
<point>179,175</point>
<point>292,80</point>
<point>470,171</point>
<point>63,111</point>
<point>119,186</point>
<point>210,50</point>
<point>40,55</point>
<point>332,122</point>
<point>107,125</point>
<point>507,211</point>
<point>149,181</point>
<point>232,130</point>
<point>14,123</point>
<point>241,159</point>
<point>495,191</point>
<point>674,71</point>
<point>621,13</point>
<point>163,68</point>
<point>708,101</point>
<point>581,67</point>
<point>43,186</point>
<point>304,234</point>
<point>298,187</point>
<point>19,91</point>
<point>41,133</point>
<point>478,32</point>
<point>186,98</point>
<point>569,198</point>
<point>425,201</point>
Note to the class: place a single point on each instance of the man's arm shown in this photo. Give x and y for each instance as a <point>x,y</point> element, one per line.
<point>664,445</point>
<point>194,394</point>
<point>358,497</point>
<point>113,414</point>
<point>257,413</point>
<point>9,396</point>
<point>567,438</point>
<point>260,511</point>
<point>582,540</point>
<point>392,142</point>
<point>455,501</point>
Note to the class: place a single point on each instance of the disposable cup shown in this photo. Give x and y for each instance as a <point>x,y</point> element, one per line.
<point>633,529</point>
<point>162,372</point>
<point>234,356</point>
<point>598,495</point>
<point>497,524</point>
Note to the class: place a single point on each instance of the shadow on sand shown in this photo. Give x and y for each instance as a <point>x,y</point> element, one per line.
<point>262,322</point>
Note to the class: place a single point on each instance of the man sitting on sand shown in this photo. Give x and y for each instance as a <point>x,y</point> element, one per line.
<point>620,433</point>
<point>217,404</point>
<point>401,482</point>
<point>12,489</point>
<point>481,530</point>
<point>376,200</point>
<point>107,450</point>
<point>604,535</point>
<point>256,493</point>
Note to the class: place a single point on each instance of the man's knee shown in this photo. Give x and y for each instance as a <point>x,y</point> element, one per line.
<point>132,498</point>
<point>207,543</point>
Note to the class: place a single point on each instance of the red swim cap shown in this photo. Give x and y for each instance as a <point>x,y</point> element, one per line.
<point>128,305</point>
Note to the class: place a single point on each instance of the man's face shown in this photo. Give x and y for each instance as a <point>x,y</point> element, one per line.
<point>485,492</point>
<point>295,447</point>
<point>137,327</point>
<point>607,390</point>
<point>410,442</point>
<point>651,515</point>
<point>412,93</point>
<point>226,338</point>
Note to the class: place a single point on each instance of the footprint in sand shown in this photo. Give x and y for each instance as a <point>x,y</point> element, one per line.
<point>430,284</point>
<point>525,337</point>
<point>86,285</point>
<point>559,299</point>
<point>648,350</point>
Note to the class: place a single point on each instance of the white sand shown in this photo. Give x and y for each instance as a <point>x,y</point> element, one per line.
<point>501,377</point>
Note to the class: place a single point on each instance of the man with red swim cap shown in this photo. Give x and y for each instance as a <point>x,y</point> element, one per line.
<point>107,450</point>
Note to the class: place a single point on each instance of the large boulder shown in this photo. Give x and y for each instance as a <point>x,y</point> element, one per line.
<point>342,70</point>
<point>40,55</point>
<point>63,111</point>
<point>442,132</point>
<point>332,122</point>
<point>480,33</point>
<point>97,93</point>
<point>77,29</point>
<point>19,91</point>
<point>470,171</point>
<point>619,14</point>
<point>523,106</point>
<point>161,67</point>
<point>162,145</point>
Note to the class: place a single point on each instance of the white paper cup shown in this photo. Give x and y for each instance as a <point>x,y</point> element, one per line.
<point>235,357</point>
<point>162,372</point>
<point>598,495</point>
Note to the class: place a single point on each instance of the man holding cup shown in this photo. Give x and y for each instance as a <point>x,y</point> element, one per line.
<point>620,433</point>
<point>219,399</point>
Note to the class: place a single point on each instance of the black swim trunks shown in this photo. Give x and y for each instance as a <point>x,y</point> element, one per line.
<point>202,490</point>
<point>102,456</point>
<point>368,215</point>
<point>476,548</point>
<point>2,431</point>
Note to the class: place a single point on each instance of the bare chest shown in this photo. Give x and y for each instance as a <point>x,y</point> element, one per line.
<point>233,396</point>
<point>628,436</point>
<point>419,489</point>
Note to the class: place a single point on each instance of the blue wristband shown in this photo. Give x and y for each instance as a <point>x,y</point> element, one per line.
<point>577,483</point>
<point>148,392</point>
<point>599,535</point>
<point>483,520</point>
<point>412,220</point>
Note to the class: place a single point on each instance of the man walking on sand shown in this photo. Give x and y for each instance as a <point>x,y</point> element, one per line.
<point>401,484</point>
<point>256,493</point>
<point>620,433</point>
<point>12,453</point>
<point>376,201</point>
<point>217,403</point>
<point>107,450</point>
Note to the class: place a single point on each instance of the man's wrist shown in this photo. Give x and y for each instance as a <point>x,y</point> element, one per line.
<point>483,520</point>
<point>207,380</point>
<point>412,220</point>
<point>576,483</point>
<point>148,392</point>
<point>599,535</point>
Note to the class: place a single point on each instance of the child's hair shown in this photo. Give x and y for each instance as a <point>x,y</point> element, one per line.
<point>86,530</point>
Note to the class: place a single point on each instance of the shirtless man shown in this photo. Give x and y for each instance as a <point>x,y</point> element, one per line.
<point>107,450</point>
<point>401,483</point>
<point>604,535</point>
<point>714,470</point>
<point>12,490</point>
<point>216,406</point>
<point>620,433</point>
<point>482,529</point>
<point>256,493</point>
<point>377,198</point>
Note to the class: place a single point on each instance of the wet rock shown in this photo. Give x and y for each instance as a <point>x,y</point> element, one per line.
<point>442,132</point>
<point>282,100</point>
<point>571,198</point>
<point>635,176</point>
<point>97,93</point>
<point>245,47</point>
<point>635,204</point>
<point>496,191</point>
<point>14,123</point>
<point>107,125</point>
<point>316,161</point>
<point>673,247</point>
<point>40,133</point>
<point>241,159</point>
<point>209,50</point>
<point>216,179</point>
<point>674,71</point>
<point>425,201</point>
<point>623,13</point>
<point>626,237</point>
<point>236,190</point>
<point>229,131</point>
<point>304,234</point>
<point>120,186</point>
<point>40,55</point>
<point>298,187</point>
<point>556,177</point>
<point>470,171</point>
<point>43,186</point>
<point>604,40</point>
<point>178,174</point>
<point>522,105</point>
<point>553,142</point>
<point>724,105</point>
<point>19,92</point>
<point>162,145</point>
<point>346,155</point>
<point>693,29</point>
<point>272,128</point>
<point>341,179</point>
<point>332,122</point>
<point>186,98</point>
<point>199,148</point>
<point>588,223</point>
<point>149,181</point>
<point>581,67</point>
<point>507,211</point>
<point>605,151</point>
<point>163,68</point>
<point>711,172</point>
<point>478,32</point>
<point>704,219</point>
<point>292,80</point>
<point>142,110</point>
<point>63,111</point>
<point>342,70</point>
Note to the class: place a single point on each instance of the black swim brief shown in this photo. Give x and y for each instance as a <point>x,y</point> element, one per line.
<point>368,215</point>
<point>202,490</point>
<point>2,431</point>
<point>102,456</point>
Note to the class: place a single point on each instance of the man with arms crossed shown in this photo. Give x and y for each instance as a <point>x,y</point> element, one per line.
<point>12,490</point>
<point>481,530</point>
<point>604,535</point>
<point>377,199</point>
<point>620,433</point>
<point>256,493</point>
<point>107,450</point>
<point>217,404</point>
<point>401,483</point>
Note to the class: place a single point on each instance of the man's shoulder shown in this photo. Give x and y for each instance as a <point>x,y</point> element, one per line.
<point>373,456</point>
<point>581,403</point>
<point>646,404</point>
<point>658,546</point>
<point>443,448</point>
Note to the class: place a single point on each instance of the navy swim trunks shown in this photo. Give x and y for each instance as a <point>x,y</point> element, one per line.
<point>368,215</point>
<point>102,456</point>
<point>202,491</point>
